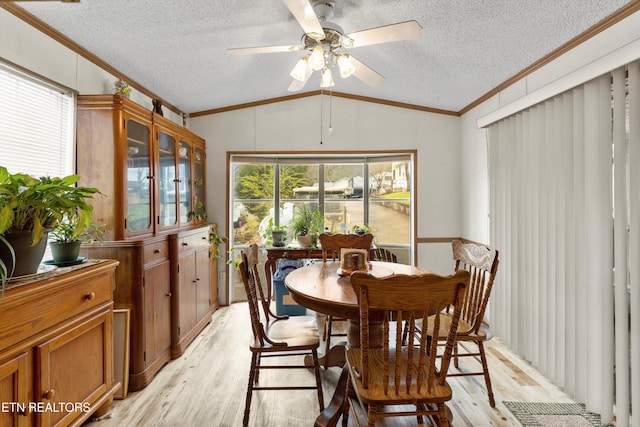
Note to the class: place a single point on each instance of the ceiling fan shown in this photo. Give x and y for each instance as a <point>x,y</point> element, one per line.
<point>325,43</point>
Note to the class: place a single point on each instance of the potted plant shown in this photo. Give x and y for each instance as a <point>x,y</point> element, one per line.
<point>275,235</point>
<point>306,224</point>
<point>30,207</point>
<point>122,88</point>
<point>365,229</point>
<point>66,238</point>
<point>4,270</point>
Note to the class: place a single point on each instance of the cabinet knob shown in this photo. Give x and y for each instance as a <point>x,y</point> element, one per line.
<point>90,296</point>
<point>49,394</point>
<point>169,294</point>
<point>185,244</point>
<point>157,251</point>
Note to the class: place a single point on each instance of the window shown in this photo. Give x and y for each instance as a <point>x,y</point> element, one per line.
<point>36,125</point>
<point>349,190</point>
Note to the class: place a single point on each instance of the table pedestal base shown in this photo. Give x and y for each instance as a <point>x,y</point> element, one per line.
<point>336,356</point>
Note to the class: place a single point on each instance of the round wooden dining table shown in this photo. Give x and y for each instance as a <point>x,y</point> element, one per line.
<point>321,287</point>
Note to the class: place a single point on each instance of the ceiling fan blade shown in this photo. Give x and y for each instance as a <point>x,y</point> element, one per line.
<point>306,17</point>
<point>366,74</point>
<point>408,30</point>
<point>263,49</point>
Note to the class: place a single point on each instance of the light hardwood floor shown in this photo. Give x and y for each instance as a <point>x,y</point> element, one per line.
<point>206,386</point>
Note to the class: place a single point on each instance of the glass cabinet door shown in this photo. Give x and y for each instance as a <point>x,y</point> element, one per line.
<point>139,175</point>
<point>198,182</point>
<point>185,182</point>
<point>167,181</point>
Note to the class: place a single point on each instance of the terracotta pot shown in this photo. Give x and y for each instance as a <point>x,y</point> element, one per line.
<point>28,257</point>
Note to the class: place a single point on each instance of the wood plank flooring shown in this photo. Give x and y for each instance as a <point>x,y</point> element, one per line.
<point>206,386</point>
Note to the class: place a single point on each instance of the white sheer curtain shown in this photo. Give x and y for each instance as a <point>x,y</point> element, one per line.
<point>554,189</point>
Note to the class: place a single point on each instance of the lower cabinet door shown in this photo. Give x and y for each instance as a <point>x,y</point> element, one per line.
<point>157,311</point>
<point>75,369</point>
<point>14,392</point>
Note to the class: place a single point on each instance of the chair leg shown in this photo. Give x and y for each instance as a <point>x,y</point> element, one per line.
<point>350,393</point>
<point>256,375</point>
<point>443,420</point>
<point>327,332</point>
<point>371,415</point>
<point>316,369</point>
<point>252,377</point>
<point>487,379</point>
<point>455,355</point>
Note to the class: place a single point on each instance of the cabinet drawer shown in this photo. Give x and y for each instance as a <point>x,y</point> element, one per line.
<point>156,251</point>
<point>54,305</point>
<point>192,241</point>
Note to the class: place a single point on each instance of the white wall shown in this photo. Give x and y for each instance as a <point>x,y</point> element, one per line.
<point>606,51</point>
<point>27,47</point>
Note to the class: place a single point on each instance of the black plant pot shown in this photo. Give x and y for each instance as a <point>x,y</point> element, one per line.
<point>65,251</point>
<point>28,257</point>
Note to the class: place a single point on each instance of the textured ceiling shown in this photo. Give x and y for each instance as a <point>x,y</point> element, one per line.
<point>176,49</point>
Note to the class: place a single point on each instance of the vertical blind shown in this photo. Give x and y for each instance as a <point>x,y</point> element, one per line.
<point>565,211</point>
<point>36,125</point>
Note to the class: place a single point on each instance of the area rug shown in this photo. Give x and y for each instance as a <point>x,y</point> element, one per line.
<point>531,414</point>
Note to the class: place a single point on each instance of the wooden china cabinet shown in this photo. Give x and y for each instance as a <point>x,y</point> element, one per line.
<point>152,173</point>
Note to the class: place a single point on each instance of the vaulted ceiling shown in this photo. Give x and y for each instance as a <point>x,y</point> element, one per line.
<point>177,49</point>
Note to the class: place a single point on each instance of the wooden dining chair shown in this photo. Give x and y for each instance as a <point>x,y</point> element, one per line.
<point>331,245</point>
<point>482,264</point>
<point>388,379</point>
<point>382,254</point>
<point>283,337</point>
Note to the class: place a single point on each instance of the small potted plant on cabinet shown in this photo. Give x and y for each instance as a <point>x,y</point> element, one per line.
<point>306,224</point>
<point>29,208</point>
<point>66,238</point>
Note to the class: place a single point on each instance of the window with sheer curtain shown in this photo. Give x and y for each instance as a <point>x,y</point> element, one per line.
<point>565,212</point>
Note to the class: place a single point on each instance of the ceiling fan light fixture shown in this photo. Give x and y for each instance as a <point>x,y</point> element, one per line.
<point>326,79</point>
<point>346,41</point>
<point>301,69</point>
<point>316,60</point>
<point>346,66</point>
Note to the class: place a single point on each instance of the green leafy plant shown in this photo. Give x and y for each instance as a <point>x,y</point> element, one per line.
<point>267,235</point>
<point>306,221</point>
<point>36,206</point>
<point>4,270</point>
<point>40,204</point>
<point>68,231</point>
<point>365,229</point>
<point>215,240</point>
<point>121,87</point>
